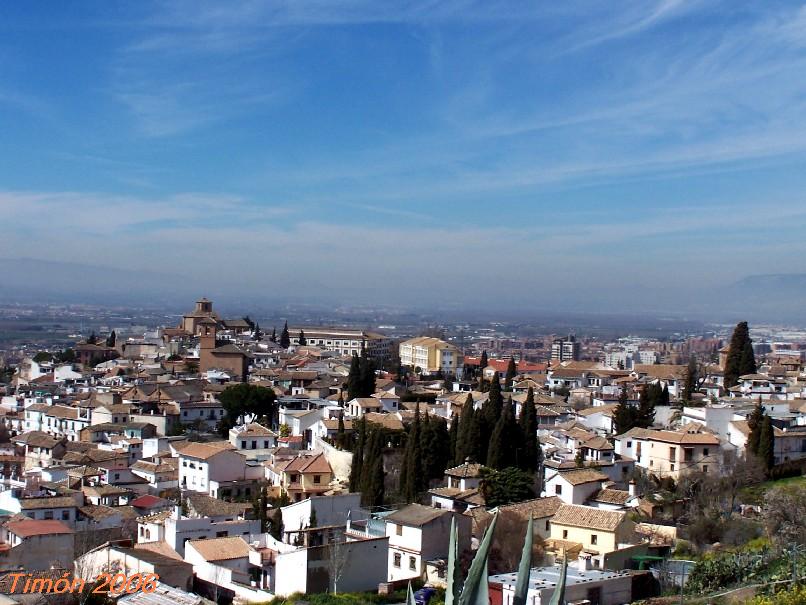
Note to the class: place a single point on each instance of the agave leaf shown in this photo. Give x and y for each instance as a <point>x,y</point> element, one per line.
<point>410,597</point>
<point>476,580</point>
<point>452,592</point>
<point>558,598</point>
<point>525,567</point>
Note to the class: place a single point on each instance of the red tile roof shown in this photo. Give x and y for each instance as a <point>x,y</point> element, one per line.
<point>25,528</point>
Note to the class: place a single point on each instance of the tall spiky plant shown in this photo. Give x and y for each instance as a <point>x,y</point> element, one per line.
<point>410,597</point>
<point>454,586</point>
<point>525,567</point>
<point>558,598</point>
<point>475,590</point>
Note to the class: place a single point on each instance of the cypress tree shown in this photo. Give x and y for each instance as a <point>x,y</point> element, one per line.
<point>277,524</point>
<point>376,490</point>
<point>285,337</point>
<point>412,479</point>
<point>372,480</point>
<point>512,371</point>
<point>273,335</point>
<point>110,341</point>
<point>483,362</point>
<point>645,415</point>
<point>755,422</point>
<point>528,458</point>
<point>258,335</point>
<point>453,436</point>
<point>489,416</point>
<point>354,379</point>
<point>623,415</point>
<point>358,457</point>
<point>366,374</point>
<point>692,379</point>
<point>740,359</point>
<point>340,434</point>
<point>427,450</point>
<point>501,450</point>
<point>664,400</point>
<point>766,444</point>
<point>464,431</point>
<point>302,340</point>
<point>442,447</point>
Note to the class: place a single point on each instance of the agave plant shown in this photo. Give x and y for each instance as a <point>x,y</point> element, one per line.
<point>474,590</point>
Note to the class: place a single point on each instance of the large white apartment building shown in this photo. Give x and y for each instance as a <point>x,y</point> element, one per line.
<point>431,355</point>
<point>344,341</point>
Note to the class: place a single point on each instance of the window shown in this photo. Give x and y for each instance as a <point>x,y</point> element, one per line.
<point>48,514</point>
<point>293,478</point>
<point>672,453</point>
<point>265,444</point>
<point>254,445</point>
<point>671,467</point>
<point>565,534</point>
<point>705,451</point>
<point>65,515</point>
<point>548,525</point>
<point>558,489</point>
<point>688,454</point>
<point>221,534</point>
<point>243,445</point>
<point>594,538</point>
<point>398,530</point>
<point>704,468</point>
<point>413,563</point>
<point>396,559</point>
<point>629,444</point>
<point>317,478</point>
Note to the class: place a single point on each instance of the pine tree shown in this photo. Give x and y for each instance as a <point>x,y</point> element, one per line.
<point>354,379</point>
<point>528,458</point>
<point>623,415</point>
<point>766,444</point>
<point>358,457</point>
<point>366,374</point>
<point>302,340</point>
<point>755,421</point>
<point>285,338</point>
<point>740,359</point>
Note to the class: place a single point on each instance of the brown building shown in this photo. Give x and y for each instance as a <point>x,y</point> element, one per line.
<point>228,357</point>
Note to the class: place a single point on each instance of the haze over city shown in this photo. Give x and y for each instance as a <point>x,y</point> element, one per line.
<point>598,157</point>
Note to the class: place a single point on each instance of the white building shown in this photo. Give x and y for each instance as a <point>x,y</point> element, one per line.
<point>419,534</point>
<point>431,355</point>
<point>574,486</point>
<point>200,464</point>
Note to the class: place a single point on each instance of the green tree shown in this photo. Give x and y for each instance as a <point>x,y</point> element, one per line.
<point>468,436</point>
<point>366,374</point>
<point>285,337</point>
<point>257,335</point>
<point>42,357</point>
<point>276,529</point>
<point>624,415</point>
<point>644,416</point>
<point>354,378</point>
<point>506,486</point>
<point>740,359</point>
<point>93,339</point>
<point>512,371</point>
<point>755,421</point>
<point>528,459</point>
<point>302,340</point>
<point>504,440</point>
<point>242,400</point>
<point>692,379</point>
<point>312,520</point>
<point>261,509</point>
<point>111,339</point>
<point>483,362</point>
<point>357,468</point>
<point>579,459</point>
<point>273,335</point>
<point>411,475</point>
<point>490,413</point>
<point>453,436</point>
<point>435,445</point>
<point>340,433</point>
<point>766,443</point>
<point>372,478</point>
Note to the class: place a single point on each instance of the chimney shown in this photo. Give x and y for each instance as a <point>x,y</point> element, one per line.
<point>584,562</point>
<point>632,489</point>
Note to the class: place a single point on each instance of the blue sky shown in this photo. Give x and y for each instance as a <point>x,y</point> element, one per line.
<point>614,147</point>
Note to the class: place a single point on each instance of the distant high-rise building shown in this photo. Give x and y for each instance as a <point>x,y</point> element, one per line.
<point>565,349</point>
